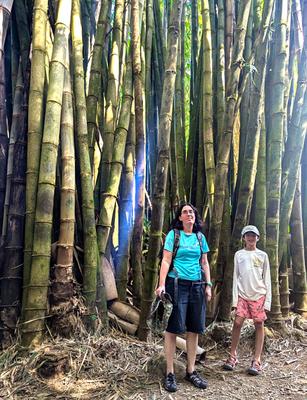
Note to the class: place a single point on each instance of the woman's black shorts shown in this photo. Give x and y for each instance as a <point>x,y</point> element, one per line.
<point>189,311</point>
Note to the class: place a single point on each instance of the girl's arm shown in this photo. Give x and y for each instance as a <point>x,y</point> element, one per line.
<point>235,283</point>
<point>267,282</point>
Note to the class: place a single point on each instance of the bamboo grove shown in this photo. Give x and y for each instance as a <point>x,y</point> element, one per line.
<point>114,112</point>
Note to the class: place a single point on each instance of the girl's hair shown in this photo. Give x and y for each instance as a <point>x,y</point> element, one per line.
<point>177,224</point>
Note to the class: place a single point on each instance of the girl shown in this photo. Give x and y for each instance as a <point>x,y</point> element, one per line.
<point>251,295</point>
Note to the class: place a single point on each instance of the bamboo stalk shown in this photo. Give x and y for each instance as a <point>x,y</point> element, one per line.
<point>110,196</point>
<point>207,88</point>
<point>284,284</point>
<point>253,129</point>
<point>35,129</point>
<point>62,288</point>
<point>11,269</point>
<point>23,35</point>
<point>150,276</point>
<point>294,147</point>
<point>5,11</point>
<point>225,142</point>
<point>275,141</point>
<point>260,187</point>
<point>140,154</point>
<point>250,158</point>
<point>88,212</point>
<point>112,94</point>
<point>220,101</point>
<point>194,101</point>
<point>17,122</point>
<point>298,255</point>
<point>95,78</point>
<point>126,210</point>
<point>179,138</point>
<point>36,301</point>
<point>229,34</point>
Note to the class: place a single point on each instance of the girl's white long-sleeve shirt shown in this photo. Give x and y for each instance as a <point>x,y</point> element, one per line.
<point>252,278</point>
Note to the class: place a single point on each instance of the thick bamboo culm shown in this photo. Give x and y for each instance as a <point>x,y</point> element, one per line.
<point>88,213</point>
<point>35,128</point>
<point>161,169</point>
<point>275,142</point>
<point>36,301</point>
<point>224,150</point>
<point>62,287</point>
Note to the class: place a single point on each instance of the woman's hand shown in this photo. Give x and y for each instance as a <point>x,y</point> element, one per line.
<point>160,289</point>
<point>208,293</point>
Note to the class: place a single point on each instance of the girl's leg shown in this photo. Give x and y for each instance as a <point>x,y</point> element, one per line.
<point>236,330</point>
<point>259,327</point>
<point>169,349</point>
<point>192,342</point>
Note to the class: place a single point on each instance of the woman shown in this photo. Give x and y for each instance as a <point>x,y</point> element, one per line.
<point>183,281</point>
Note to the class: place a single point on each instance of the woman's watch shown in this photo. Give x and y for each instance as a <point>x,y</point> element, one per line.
<point>209,284</point>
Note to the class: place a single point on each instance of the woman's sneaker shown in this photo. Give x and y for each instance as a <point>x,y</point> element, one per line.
<point>196,380</point>
<point>170,383</point>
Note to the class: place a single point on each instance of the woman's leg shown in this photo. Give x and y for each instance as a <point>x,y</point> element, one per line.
<point>259,327</point>
<point>236,330</point>
<point>169,349</point>
<point>192,343</point>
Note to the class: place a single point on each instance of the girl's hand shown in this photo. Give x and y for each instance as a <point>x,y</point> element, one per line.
<point>208,293</point>
<point>160,289</point>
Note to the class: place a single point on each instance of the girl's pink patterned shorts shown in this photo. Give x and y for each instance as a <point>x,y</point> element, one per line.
<point>251,309</point>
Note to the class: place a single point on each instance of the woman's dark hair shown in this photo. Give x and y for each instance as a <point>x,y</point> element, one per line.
<point>177,224</point>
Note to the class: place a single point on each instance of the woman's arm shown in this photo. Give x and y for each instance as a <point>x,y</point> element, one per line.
<point>205,267</point>
<point>165,264</point>
<point>206,270</point>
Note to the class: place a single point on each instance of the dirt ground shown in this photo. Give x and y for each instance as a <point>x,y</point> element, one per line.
<point>284,377</point>
<point>120,367</point>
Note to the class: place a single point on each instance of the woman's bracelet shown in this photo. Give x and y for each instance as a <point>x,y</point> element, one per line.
<point>209,284</point>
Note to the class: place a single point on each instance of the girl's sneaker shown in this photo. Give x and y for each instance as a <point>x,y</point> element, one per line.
<point>230,363</point>
<point>255,368</point>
